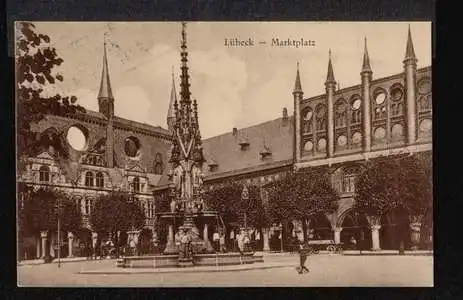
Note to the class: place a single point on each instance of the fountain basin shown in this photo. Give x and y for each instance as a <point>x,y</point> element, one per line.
<point>171,261</point>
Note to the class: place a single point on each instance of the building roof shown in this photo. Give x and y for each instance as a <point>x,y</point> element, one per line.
<point>274,136</point>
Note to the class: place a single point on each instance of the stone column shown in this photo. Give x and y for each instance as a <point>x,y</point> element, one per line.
<point>70,244</point>
<point>265,233</point>
<point>337,234</point>
<point>44,239</point>
<point>170,247</point>
<point>366,110</point>
<point>207,243</point>
<point>52,244</point>
<point>375,237</point>
<point>330,119</point>
<point>38,246</point>
<point>415,231</point>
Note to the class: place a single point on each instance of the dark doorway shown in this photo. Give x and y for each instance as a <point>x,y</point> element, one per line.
<point>356,232</point>
<point>395,230</point>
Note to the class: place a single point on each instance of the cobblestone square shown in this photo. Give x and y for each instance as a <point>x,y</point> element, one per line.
<point>325,271</point>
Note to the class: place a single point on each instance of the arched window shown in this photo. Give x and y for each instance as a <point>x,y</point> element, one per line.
<point>349,178</point>
<point>356,104</point>
<point>321,117</point>
<point>44,174</point>
<point>99,179</point>
<point>136,184</point>
<point>88,206</point>
<point>158,165</point>
<point>307,120</point>
<point>89,179</point>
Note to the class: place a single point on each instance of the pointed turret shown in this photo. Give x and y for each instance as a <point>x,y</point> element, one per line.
<point>366,59</point>
<point>172,105</point>
<point>410,51</point>
<point>297,83</point>
<point>105,86</point>
<point>330,74</point>
<point>105,96</point>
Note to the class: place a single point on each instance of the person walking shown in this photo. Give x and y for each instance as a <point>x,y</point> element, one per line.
<point>222,242</point>
<point>303,253</point>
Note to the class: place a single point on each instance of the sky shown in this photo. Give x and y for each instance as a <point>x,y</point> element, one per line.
<point>234,86</point>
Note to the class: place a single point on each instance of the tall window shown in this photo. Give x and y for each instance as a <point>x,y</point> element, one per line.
<point>348,183</point>
<point>158,165</point>
<point>341,114</point>
<point>89,179</point>
<point>136,184</point>
<point>99,179</point>
<point>321,117</point>
<point>88,206</point>
<point>44,174</point>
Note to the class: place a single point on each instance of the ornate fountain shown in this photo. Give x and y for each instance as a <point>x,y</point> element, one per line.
<point>186,247</point>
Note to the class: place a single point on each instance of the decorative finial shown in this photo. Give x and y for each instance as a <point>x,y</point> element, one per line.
<point>297,84</point>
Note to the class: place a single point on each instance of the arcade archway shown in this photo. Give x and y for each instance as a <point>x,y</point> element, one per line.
<point>145,241</point>
<point>395,229</point>
<point>320,228</point>
<point>356,231</point>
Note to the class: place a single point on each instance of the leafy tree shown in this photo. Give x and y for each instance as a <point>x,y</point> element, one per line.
<point>35,63</point>
<point>116,212</point>
<point>38,211</point>
<point>228,202</point>
<point>301,195</point>
<point>395,184</point>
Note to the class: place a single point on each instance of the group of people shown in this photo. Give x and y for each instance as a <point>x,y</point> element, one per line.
<point>242,240</point>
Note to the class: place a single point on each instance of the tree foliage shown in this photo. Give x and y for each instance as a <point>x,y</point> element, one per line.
<point>38,211</point>
<point>228,201</point>
<point>400,183</point>
<point>301,195</point>
<point>115,212</point>
<point>35,63</point>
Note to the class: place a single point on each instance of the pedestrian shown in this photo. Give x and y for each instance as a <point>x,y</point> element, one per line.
<point>216,238</point>
<point>303,253</point>
<point>222,243</point>
<point>240,240</point>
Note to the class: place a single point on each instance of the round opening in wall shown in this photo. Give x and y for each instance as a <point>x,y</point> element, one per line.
<point>356,138</point>
<point>308,146</point>
<point>380,98</point>
<point>380,133</point>
<point>76,138</point>
<point>426,126</point>
<point>321,144</point>
<point>342,140</point>
<point>132,146</point>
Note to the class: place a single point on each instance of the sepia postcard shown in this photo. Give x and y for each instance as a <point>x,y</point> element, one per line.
<point>234,154</point>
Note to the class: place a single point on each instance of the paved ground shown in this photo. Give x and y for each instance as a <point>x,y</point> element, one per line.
<point>325,270</point>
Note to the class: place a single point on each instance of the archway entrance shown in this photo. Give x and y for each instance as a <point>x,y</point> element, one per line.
<point>320,228</point>
<point>395,229</point>
<point>84,236</point>
<point>356,231</point>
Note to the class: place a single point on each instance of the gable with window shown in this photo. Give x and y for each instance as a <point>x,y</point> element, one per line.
<point>44,174</point>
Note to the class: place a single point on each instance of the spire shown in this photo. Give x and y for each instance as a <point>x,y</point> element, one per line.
<point>410,51</point>
<point>366,59</point>
<point>184,85</point>
<point>330,74</point>
<point>105,86</point>
<point>297,84</point>
<point>172,105</point>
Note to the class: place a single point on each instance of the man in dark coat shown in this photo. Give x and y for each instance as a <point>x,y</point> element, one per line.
<point>303,253</point>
